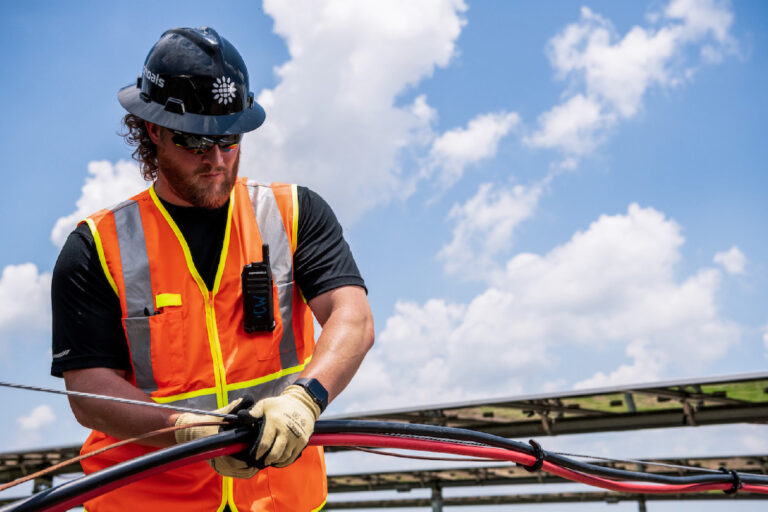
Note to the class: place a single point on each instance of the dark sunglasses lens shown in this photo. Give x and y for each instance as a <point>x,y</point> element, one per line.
<point>191,142</point>
<point>228,142</point>
<point>199,144</point>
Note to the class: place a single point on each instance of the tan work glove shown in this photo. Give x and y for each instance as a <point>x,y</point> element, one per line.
<point>288,421</point>
<point>225,465</point>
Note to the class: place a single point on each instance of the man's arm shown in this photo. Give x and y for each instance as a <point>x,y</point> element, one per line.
<point>347,336</point>
<point>89,346</point>
<point>288,419</point>
<point>115,419</point>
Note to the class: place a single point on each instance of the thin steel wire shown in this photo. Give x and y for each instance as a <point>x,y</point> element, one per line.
<point>119,400</point>
<point>378,451</point>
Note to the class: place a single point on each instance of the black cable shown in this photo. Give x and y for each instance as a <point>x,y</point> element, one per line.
<point>61,493</point>
<point>416,430</point>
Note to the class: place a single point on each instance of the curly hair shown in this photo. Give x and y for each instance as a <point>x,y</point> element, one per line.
<point>136,134</point>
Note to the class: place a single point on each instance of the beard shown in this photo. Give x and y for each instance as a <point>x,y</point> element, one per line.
<point>194,189</point>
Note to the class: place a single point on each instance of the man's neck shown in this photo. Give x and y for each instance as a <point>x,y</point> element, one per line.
<point>165,192</point>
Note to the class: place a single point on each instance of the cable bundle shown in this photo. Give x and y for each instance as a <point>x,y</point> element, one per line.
<point>531,456</point>
<point>392,435</point>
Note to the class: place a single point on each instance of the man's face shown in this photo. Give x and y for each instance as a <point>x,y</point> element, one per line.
<point>193,180</point>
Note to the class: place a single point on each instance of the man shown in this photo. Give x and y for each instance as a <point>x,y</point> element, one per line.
<point>200,291</point>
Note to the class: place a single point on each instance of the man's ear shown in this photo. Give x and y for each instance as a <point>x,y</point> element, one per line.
<point>154,131</point>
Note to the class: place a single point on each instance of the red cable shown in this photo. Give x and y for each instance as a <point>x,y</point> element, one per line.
<point>405,443</point>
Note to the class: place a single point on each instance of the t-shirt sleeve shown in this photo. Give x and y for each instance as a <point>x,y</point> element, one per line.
<point>87,328</point>
<point>323,260</point>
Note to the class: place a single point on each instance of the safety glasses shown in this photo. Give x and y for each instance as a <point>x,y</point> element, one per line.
<point>201,144</point>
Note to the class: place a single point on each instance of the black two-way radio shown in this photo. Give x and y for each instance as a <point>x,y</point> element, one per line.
<point>258,306</point>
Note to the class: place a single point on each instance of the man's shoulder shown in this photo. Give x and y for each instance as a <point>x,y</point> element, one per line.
<point>100,215</point>
<point>76,253</point>
<point>316,217</point>
<point>311,200</point>
<point>310,204</point>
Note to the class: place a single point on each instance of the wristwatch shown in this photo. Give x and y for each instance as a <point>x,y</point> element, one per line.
<point>316,390</point>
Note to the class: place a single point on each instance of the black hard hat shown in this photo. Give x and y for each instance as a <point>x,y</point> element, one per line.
<point>194,81</point>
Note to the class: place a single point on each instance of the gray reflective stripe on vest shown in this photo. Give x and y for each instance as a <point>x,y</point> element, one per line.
<point>139,302</point>
<point>204,402</point>
<point>273,233</point>
<point>264,390</point>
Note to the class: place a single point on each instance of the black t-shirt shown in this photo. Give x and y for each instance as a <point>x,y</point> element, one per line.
<point>87,327</point>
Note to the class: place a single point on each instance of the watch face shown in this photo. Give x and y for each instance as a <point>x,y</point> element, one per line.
<point>316,390</point>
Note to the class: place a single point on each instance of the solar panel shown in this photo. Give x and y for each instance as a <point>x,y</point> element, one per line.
<point>712,401</point>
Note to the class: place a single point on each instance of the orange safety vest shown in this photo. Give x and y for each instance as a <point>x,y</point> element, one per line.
<point>188,346</point>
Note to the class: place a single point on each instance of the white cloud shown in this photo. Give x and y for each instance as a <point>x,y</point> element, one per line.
<point>455,149</point>
<point>703,17</point>
<point>647,366</point>
<point>485,225</point>
<point>609,74</point>
<point>106,185</point>
<point>418,355</point>
<point>332,121</point>
<point>30,426</point>
<point>611,287</point>
<point>732,260</point>
<point>24,300</point>
<point>574,126</point>
<point>40,416</point>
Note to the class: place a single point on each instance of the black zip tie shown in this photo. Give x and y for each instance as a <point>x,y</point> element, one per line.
<point>736,481</point>
<point>539,454</point>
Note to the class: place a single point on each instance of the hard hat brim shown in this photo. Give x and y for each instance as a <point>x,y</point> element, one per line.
<point>244,121</point>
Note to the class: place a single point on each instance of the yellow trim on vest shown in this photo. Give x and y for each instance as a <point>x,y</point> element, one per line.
<point>184,396</point>
<point>100,251</point>
<point>219,373</point>
<point>229,493</point>
<point>321,505</point>
<point>182,241</point>
<point>295,237</point>
<point>218,359</point>
<point>234,386</point>
<point>272,376</point>
<point>225,245</point>
<point>295,230</point>
<point>167,299</point>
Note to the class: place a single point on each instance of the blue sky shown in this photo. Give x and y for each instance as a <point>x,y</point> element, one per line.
<point>540,198</point>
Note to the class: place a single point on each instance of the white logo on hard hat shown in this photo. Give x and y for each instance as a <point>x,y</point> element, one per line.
<point>224,90</point>
<point>153,77</point>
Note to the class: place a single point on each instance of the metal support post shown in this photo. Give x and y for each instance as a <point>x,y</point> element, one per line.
<point>42,483</point>
<point>437,498</point>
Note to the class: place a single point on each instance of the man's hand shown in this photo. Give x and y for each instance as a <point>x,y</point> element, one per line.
<point>288,421</point>
<point>224,465</point>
